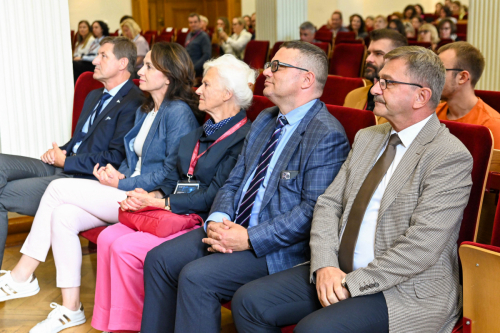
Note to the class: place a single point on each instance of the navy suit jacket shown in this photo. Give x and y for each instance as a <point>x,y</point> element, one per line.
<point>212,168</point>
<point>317,149</point>
<point>103,143</point>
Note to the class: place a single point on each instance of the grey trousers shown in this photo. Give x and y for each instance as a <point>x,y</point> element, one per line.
<point>23,181</point>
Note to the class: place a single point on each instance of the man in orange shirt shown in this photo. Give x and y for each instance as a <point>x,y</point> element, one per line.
<point>464,65</point>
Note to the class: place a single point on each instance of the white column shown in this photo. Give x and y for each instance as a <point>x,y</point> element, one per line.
<point>482,32</point>
<point>36,84</point>
<point>279,20</point>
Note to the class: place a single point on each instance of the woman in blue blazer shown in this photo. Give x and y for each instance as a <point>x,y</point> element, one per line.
<point>76,205</point>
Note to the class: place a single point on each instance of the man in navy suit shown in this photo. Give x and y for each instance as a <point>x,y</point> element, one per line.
<point>107,115</point>
<point>260,221</point>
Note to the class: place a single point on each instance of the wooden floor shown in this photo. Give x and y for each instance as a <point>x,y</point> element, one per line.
<point>21,315</point>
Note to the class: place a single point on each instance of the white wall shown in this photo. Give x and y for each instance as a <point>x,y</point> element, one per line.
<point>36,85</point>
<point>109,11</point>
<point>247,7</point>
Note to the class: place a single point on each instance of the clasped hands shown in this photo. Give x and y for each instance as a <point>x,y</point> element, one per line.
<point>54,156</point>
<point>226,237</point>
<point>108,175</point>
<point>139,199</point>
<point>329,286</point>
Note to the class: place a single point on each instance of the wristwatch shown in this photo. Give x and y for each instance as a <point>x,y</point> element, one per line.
<point>167,204</point>
<point>344,284</point>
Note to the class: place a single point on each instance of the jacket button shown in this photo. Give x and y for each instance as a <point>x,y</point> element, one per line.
<point>376,284</point>
<point>361,289</point>
<point>372,285</point>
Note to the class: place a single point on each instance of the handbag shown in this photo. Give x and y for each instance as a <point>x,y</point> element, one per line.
<point>158,221</point>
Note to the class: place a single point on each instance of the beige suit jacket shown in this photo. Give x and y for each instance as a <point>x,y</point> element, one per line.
<point>357,99</point>
<point>416,261</point>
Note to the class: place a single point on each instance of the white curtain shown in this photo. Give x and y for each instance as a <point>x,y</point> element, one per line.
<point>36,78</point>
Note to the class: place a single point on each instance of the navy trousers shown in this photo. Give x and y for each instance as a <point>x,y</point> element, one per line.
<point>185,284</point>
<point>287,298</point>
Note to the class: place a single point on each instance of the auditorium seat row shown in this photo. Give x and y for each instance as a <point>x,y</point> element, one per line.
<point>481,263</point>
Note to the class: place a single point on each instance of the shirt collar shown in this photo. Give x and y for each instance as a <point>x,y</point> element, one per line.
<point>115,90</point>
<point>410,133</point>
<point>136,38</point>
<point>297,114</point>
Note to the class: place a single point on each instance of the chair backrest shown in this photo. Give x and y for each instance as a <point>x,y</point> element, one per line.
<point>165,37</point>
<point>136,82</point>
<point>352,119</point>
<point>83,86</point>
<point>258,88</point>
<point>181,36</point>
<point>325,36</point>
<point>444,42</point>
<point>256,53</point>
<point>492,98</point>
<point>337,88</point>
<point>347,60</point>
<point>479,142</point>
<point>353,41</point>
<point>344,35</point>
<point>462,37</point>
<point>114,34</point>
<point>275,49</point>
<point>430,17</point>
<point>417,43</point>
<point>149,38</point>
<point>324,46</point>
<point>259,103</point>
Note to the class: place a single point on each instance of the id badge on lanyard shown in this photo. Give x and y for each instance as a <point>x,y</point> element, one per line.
<point>186,187</point>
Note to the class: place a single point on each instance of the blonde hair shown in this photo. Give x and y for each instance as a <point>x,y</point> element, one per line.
<point>432,29</point>
<point>132,25</point>
<point>204,19</point>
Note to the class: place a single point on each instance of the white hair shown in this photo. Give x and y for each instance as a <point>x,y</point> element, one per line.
<point>235,76</point>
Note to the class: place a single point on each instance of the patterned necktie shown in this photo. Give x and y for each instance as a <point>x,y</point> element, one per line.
<point>245,208</point>
<point>373,179</point>
<point>98,109</point>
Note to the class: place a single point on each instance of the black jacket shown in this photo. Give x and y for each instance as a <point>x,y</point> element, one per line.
<point>212,170</point>
<point>103,143</point>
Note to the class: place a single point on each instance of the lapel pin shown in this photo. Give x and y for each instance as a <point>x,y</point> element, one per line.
<point>118,101</point>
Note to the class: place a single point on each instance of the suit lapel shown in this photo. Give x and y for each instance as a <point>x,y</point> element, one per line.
<point>408,163</point>
<point>154,128</point>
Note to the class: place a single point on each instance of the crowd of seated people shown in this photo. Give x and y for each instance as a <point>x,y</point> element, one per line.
<point>280,215</point>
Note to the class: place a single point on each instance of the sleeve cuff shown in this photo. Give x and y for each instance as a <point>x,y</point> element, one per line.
<point>215,217</point>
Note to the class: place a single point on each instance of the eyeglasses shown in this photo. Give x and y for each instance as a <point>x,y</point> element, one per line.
<point>275,65</point>
<point>455,69</point>
<point>384,82</point>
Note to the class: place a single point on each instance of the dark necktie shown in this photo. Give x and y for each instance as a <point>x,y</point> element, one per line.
<point>373,179</point>
<point>98,109</point>
<point>245,208</point>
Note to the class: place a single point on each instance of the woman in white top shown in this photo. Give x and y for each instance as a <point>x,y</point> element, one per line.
<point>237,43</point>
<point>84,39</point>
<point>69,207</point>
<point>131,30</point>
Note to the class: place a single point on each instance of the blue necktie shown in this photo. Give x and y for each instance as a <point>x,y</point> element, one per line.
<point>98,109</point>
<point>245,208</point>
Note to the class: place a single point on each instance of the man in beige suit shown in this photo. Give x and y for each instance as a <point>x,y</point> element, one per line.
<point>383,237</point>
<point>382,42</point>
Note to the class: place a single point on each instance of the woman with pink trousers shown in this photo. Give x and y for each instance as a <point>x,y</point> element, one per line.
<point>205,159</point>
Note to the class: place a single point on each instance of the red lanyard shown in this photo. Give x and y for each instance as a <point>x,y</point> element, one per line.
<point>190,39</point>
<point>195,157</point>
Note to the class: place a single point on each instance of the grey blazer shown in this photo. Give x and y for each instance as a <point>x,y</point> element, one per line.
<point>416,260</point>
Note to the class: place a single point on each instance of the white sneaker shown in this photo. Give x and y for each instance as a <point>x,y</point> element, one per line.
<point>59,319</point>
<point>11,290</point>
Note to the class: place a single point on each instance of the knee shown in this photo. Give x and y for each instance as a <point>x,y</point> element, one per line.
<point>120,248</point>
<point>62,216</point>
<point>106,238</point>
<point>154,261</point>
<point>243,303</point>
<point>192,276</point>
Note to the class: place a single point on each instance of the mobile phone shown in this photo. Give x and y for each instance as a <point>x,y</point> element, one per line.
<point>220,29</point>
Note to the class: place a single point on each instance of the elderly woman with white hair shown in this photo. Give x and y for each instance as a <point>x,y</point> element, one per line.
<point>206,157</point>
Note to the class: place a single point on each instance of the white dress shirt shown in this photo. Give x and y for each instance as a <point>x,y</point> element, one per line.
<point>364,253</point>
<point>141,138</point>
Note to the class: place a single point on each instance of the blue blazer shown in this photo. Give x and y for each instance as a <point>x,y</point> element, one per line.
<point>103,143</point>
<point>159,153</point>
<point>317,149</point>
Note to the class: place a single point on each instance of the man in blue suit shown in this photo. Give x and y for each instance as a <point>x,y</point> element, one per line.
<point>107,115</point>
<point>260,221</point>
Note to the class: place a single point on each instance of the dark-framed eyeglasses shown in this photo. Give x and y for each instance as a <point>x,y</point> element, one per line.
<point>455,69</point>
<point>383,83</point>
<point>275,65</point>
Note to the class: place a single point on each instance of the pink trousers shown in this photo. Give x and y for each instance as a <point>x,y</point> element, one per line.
<point>119,293</point>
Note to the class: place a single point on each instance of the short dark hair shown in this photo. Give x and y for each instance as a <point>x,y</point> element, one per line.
<point>468,58</point>
<point>123,48</point>
<point>453,26</point>
<point>447,10</point>
<point>396,38</point>
<point>399,26</point>
<point>104,27</point>
<point>338,13</point>
<point>314,59</point>
<point>195,15</point>
<point>308,26</point>
<point>125,17</point>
